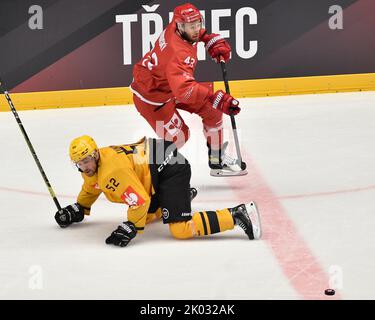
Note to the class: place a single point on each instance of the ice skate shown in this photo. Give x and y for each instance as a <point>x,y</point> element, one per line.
<point>247,217</point>
<point>226,166</point>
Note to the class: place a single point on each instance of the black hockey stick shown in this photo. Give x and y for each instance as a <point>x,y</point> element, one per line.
<point>232,119</point>
<point>13,109</point>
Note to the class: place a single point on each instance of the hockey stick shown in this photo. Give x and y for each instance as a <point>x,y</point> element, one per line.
<point>13,109</point>
<point>232,119</point>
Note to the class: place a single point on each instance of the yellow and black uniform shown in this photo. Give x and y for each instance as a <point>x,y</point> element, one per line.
<point>123,175</point>
<point>151,176</point>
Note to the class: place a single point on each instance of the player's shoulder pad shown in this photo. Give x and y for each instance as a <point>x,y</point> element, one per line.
<point>181,53</point>
<point>184,59</point>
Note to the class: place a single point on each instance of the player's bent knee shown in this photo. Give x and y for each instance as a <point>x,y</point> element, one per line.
<point>181,230</point>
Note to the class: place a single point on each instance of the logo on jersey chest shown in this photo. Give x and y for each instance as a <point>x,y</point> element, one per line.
<point>132,198</point>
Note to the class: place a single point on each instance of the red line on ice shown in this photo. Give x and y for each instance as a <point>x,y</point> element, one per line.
<point>296,259</point>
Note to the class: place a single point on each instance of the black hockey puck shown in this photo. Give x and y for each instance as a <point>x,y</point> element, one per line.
<point>243,166</point>
<point>329,292</point>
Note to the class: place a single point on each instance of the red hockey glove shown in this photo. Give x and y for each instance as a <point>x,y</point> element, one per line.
<point>224,102</point>
<point>216,46</point>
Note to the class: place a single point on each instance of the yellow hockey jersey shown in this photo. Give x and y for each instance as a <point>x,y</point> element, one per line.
<point>124,176</point>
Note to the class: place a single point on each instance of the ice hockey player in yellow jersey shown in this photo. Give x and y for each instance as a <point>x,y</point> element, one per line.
<point>153,178</point>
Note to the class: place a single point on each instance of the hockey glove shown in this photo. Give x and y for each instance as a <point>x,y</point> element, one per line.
<point>224,102</point>
<point>216,46</point>
<point>66,216</point>
<point>122,235</point>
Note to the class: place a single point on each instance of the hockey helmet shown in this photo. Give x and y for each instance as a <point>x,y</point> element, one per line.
<point>186,13</point>
<point>82,147</point>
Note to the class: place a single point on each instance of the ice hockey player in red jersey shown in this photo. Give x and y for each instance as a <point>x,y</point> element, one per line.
<point>163,83</point>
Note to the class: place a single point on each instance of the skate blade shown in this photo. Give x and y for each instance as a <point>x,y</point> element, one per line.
<point>253,212</point>
<point>225,173</point>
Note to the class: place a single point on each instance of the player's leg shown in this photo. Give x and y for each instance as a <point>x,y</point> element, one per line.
<point>165,120</point>
<point>165,162</point>
<point>173,188</point>
<point>205,223</point>
<point>220,163</point>
<point>154,211</point>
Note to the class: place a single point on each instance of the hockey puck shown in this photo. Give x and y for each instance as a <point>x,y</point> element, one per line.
<point>243,166</point>
<point>329,292</point>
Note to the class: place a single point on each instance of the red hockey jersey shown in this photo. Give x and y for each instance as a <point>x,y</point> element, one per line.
<point>167,71</point>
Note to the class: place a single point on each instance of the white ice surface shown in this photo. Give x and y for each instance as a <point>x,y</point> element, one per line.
<point>315,152</point>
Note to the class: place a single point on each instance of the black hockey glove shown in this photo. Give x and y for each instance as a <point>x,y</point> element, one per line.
<point>122,235</point>
<point>66,216</point>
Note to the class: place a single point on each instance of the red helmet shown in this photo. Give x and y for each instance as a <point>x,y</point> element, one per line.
<point>186,13</point>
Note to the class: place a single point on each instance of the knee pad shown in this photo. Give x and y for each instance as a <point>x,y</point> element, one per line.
<point>181,230</point>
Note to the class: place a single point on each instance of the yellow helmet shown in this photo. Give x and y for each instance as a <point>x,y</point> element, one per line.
<point>82,147</point>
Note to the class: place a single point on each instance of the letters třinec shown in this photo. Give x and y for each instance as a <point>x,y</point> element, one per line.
<point>241,19</point>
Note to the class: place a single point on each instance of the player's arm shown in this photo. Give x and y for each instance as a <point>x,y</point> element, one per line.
<point>180,75</point>
<point>75,212</point>
<point>87,196</point>
<point>187,90</point>
<point>126,186</point>
<point>218,48</point>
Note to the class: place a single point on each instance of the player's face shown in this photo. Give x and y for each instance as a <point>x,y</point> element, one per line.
<point>88,165</point>
<point>192,30</point>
